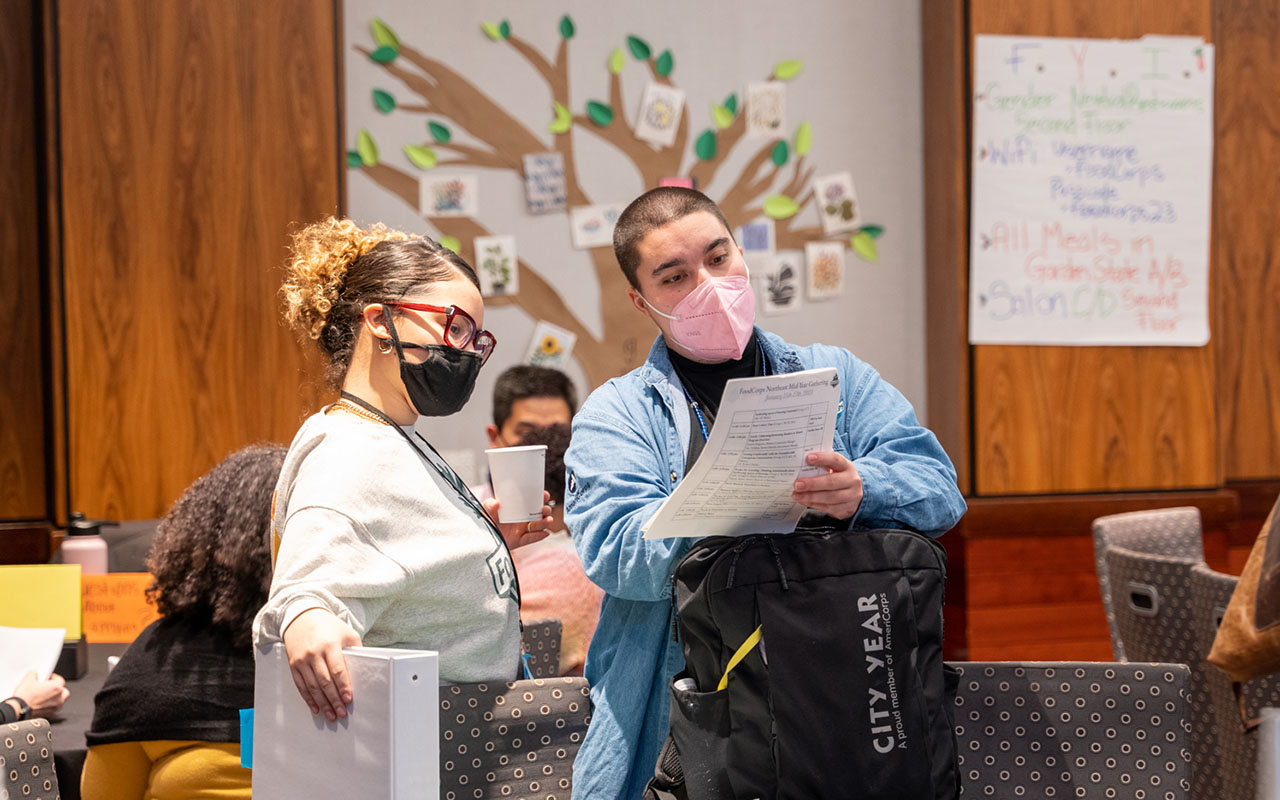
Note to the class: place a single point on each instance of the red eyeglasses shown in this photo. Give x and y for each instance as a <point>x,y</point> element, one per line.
<point>460,330</point>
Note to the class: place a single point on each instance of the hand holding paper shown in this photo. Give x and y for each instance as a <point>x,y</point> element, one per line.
<point>838,493</point>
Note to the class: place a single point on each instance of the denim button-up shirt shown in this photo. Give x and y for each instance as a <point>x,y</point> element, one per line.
<point>627,454</point>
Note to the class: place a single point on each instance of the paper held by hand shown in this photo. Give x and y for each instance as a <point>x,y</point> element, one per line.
<point>743,481</point>
<point>26,649</point>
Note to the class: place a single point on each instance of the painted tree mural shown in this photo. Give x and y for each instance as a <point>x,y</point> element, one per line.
<point>775,182</point>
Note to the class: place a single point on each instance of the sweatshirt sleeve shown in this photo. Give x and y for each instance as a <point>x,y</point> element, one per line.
<point>327,560</point>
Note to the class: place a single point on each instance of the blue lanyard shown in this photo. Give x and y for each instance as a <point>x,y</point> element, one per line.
<point>702,421</point>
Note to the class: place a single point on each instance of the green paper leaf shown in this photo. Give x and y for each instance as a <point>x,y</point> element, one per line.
<point>384,55</point>
<point>731,103</point>
<point>564,119</point>
<point>874,231</point>
<point>367,149</point>
<point>451,242</point>
<point>639,48</point>
<point>705,146</point>
<point>779,206</point>
<point>804,138</point>
<point>666,62</point>
<point>354,161</point>
<point>865,246</point>
<point>617,60</point>
<point>505,29</point>
<point>786,70</point>
<point>780,153</point>
<point>439,132</point>
<point>600,113</point>
<point>421,155</point>
<point>383,35</point>
<point>566,27</point>
<point>383,101</point>
<point>491,30</point>
<point>722,117</point>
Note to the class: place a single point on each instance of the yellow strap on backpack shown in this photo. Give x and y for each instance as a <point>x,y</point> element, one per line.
<point>752,641</point>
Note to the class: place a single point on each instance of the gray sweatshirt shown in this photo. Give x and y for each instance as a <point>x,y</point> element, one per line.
<point>367,528</point>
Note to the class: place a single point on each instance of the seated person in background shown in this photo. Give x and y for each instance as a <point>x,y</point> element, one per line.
<point>525,397</point>
<point>551,575</point>
<point>167,721</point>
<point>37,698</point>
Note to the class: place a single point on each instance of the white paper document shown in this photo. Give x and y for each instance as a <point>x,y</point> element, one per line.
<point>742,482</point>
<point>25,649</point>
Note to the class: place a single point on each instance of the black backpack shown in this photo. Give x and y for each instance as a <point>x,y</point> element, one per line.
<point>813,670</point>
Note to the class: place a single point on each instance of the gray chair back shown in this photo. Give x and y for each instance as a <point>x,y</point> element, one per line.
<point>1166,531</point>
<point>541,641</point>
<point>1151,598</point>
<point>26,761</point>
<point>1069,730</point>
<point>1237,751</point>
<point>515,739</point>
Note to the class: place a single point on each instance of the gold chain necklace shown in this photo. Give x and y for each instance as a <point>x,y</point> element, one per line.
<point>364,413</point>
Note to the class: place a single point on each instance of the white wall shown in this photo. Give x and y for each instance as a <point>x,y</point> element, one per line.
<point>861,90</point>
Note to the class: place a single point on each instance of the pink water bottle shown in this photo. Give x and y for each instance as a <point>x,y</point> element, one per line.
<point>84,544</point>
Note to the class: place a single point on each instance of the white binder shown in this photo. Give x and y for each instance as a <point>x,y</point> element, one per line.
<point>387,746</point>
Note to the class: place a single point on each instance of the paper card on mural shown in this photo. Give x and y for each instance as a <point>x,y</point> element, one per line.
<point>777,281</point>
<point>756,236</point>
<point>660,111</point>
<point>592,226</point>
<point>544,187</point>
<point>766,110</point>
<point>551,346</point>
<point>497,266</point>
<point>837,203</point>
<point>825,261</point>
<point>448,195</point>
<point>684,182</point>
<point>1092,172</point>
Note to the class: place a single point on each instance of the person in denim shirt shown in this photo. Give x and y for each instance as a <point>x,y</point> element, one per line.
<point>636,435</point>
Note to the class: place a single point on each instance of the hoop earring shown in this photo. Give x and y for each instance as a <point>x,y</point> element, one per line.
<point>384,346</point>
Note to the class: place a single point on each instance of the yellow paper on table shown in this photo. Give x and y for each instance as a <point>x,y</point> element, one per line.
<point>41,596</point>
<point>116,607</point>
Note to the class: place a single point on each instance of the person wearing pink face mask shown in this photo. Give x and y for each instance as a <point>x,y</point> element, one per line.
<point>637,435</point>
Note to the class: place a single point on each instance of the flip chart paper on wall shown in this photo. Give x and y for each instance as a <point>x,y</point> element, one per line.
<point>41,596</point>
<point>1092,164</point>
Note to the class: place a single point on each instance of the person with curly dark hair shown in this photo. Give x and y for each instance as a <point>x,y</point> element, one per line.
<point>167,721</point>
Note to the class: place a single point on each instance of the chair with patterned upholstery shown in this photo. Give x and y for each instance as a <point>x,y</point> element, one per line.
<point>1237,750</point>
<point>511,740</point>
<point>1151,597</point>
<point>26,761</point>
<point>1063,731</point>
<point>541,640</point>
<point>1165,531</point>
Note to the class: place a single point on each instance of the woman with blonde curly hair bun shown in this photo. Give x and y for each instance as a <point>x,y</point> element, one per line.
<point>376,540</point>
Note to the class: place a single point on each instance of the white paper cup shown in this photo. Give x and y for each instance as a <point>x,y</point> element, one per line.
<point>518,475</point>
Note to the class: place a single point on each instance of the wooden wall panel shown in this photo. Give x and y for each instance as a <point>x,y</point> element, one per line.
<point>1246,325</point>
<point>194,135</point>
<point>946,211</point>
<point>22,388</point>
<point>1077,419</point>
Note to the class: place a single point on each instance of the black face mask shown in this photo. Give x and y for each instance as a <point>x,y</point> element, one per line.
<point>442,384</point>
